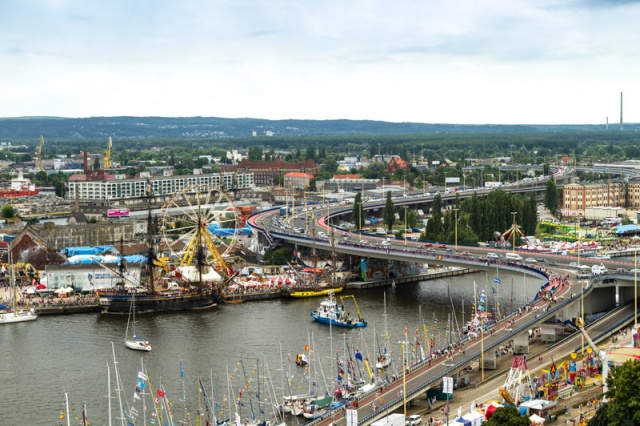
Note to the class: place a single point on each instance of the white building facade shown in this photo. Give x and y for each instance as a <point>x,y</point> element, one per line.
<point>160,186</point>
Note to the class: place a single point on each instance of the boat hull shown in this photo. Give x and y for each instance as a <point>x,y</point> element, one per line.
<point>20,317</point>
<point>138,345</point>
<point>121,304</point>
<point>336,323</point>
<point>8,193</point>
<point>303,293</point>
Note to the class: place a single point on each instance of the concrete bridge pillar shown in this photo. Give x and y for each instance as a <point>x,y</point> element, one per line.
<point>521,344</point>
<point>490,362</point>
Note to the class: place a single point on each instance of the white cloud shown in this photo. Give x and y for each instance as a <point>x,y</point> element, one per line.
<point>488,61</point>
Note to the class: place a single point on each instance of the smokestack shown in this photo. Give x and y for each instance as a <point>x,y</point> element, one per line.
<point>621,126</point>
<point>607,123</point>
<point>85,158</point>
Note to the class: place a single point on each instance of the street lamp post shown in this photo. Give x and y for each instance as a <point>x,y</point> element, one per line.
<point>456,228</point>
<point>405,225</point>
<point>582,313</point>
<point>445,182</point>
<point>404,379</point>
<point>513,244</point>
<point>635,291</point>
<point>424,184</point>
<point>482,348</point>
<point>404,186</point>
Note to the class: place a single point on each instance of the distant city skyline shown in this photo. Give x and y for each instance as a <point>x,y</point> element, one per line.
<point>437,61</point>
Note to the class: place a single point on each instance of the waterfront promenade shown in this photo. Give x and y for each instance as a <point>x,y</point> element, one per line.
<point>53,305</point>
<point>428,374</point>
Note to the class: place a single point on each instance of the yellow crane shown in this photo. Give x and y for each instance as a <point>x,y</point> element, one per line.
<point>39,154</point>
<point>107,155</point>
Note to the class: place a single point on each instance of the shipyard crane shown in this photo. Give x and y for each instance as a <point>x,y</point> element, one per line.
<point>107,155</point>
<point>39,154</point>
<point>602,355</point>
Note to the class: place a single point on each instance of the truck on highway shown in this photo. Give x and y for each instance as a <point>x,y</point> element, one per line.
<point>393,419</point>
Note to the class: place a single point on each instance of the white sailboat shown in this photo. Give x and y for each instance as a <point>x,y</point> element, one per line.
<point>15,315</point>
<point>384,355</point>
<point>136,342</point>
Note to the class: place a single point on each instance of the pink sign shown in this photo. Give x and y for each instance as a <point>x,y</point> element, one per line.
<point>118,213</point>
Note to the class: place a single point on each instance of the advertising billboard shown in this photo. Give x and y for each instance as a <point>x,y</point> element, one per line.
<point>118,213</point>
<point>452,180</point>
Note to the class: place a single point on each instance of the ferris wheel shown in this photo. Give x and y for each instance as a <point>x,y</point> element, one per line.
<point>199,226</point>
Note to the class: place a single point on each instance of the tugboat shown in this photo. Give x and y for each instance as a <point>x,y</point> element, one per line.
<point>330,312</point>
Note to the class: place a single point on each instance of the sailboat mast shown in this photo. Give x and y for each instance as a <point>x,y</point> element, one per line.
<point>66,406</point>
<point>109,395</point>
<point>144,405</point>
<point>151,253</point>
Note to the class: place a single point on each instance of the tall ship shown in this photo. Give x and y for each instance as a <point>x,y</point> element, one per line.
<point>196,279</point>
<point>19,187</point>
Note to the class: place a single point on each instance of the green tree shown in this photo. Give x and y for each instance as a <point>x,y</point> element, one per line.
<point>433,230</point>
<point>551,197</point>
<point>8,211</point>
<point>330,164</point>
<point>389,212</point>
<point>281,256</point>
<point>623,407</point>
<point>358,215</point>
<point>96,164</point>
<point>507,416</point>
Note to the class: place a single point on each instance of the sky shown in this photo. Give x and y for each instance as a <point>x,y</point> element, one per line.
<point>427,61</point>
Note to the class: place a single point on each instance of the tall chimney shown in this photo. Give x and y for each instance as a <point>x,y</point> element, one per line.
<point>85,158</point>
<point>621,126</point>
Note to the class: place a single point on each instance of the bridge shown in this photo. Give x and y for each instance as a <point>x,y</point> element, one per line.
<point>429,374</point>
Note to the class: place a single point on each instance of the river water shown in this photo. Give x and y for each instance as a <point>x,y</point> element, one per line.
<point>42,360</point>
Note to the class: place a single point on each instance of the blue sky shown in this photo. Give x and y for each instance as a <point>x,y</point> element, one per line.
<point>434,61</point>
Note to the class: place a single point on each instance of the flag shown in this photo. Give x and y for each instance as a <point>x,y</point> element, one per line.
<point>306,347</point>
<point>142,376</point>
<point>135,395</point>
<point>358,355</point>
<point>238,419</point>
<point>160,393</point>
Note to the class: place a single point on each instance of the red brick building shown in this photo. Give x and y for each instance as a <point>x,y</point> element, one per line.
<point>397,163</point>
<point>29,247</point>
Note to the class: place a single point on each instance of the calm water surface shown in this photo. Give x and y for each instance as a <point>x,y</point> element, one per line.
<point>40,361</point>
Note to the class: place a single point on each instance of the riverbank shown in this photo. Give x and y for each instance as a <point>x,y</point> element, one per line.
<point>77,304</point>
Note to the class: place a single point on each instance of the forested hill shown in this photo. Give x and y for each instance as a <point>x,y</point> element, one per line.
<point>54,128</point>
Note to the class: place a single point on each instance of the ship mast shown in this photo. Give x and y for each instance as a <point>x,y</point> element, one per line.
<point>151,253</point>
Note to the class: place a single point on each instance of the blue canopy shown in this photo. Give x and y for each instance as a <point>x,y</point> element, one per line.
<point>627,229</point>
<point>74,251</point>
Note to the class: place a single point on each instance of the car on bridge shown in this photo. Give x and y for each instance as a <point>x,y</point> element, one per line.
<point>530,260</point>
<point>492,255</point>
<point>428,245</point>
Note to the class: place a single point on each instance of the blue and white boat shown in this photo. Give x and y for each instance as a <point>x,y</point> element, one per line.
<point>330,312</point>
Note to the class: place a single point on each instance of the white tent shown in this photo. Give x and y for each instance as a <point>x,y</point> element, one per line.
<point>536,419</point>
<point>474,417</point>
<point>191,273</point>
